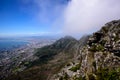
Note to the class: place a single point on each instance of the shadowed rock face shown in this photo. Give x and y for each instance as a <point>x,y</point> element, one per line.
<point>99,59</point>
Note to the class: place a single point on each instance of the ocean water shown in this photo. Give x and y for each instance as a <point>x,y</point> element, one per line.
<point>11,44</point>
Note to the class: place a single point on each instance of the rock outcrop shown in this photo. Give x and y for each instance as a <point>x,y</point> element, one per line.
<point>99,59</point>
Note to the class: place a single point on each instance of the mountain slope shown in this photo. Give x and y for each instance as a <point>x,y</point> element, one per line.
<point>50,59</point>
<point>99,59</point>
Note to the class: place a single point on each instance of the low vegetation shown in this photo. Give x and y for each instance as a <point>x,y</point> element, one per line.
<point>75,68</point>
<point>96,47</point>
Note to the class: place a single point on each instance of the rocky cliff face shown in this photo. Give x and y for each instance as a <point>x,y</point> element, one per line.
<point>99,59</point>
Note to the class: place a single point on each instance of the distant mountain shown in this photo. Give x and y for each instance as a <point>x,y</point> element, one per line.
<point>63,45</point>
<point>50,59</point>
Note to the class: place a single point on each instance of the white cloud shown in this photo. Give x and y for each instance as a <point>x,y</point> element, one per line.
<point>78,17</point>
<point>87,16</point>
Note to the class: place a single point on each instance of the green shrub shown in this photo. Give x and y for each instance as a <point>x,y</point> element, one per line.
<point>95,48</point>
<point>75,68</point>
<point>100,48</point>
<point>106,74</point>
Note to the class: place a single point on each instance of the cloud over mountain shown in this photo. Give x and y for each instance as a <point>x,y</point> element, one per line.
<point>86,16</point>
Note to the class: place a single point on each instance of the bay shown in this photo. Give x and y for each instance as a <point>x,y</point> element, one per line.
<point>11,44</point>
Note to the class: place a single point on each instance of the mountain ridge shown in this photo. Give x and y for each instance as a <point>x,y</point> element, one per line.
<point>51,58</point>
<point>99,59</point>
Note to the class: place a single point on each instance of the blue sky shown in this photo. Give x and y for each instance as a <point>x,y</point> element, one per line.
<point>56,17</point>
<point>29,17</point>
